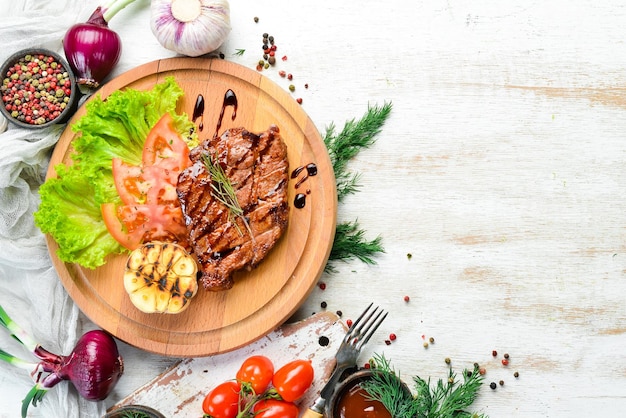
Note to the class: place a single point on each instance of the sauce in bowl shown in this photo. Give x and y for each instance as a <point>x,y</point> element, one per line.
<point>354,403</point>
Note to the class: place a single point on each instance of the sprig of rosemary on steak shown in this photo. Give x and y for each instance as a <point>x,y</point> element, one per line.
<point>222,190</point>
<point>349,241</point>
<point>445,399</point>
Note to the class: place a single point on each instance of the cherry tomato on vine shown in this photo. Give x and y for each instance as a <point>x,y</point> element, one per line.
<point>257,371</point>
<point>293,379</point>
<point>273,408</point>
<point>223,400</point>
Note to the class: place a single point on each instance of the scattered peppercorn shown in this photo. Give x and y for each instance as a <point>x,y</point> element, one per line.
<point>299,100</point>
<point>323,305</point>
<point>425,344</point>
<point>222,56</point>
<point>516,374</point>
<point>306,85</point>
<point>323,341</point>
<point>409,256</point>
<point>388,342</point>
<point>492,385</point>
<point>432,340</point>
<point>451,380</point>
<point>322,285</point>
<point>476,365</point>
<point>407,298</point>
<point>271,60</point>
<point>447,360</point>
<point>392,336</point>
<point>469,373</point>
<point>482,371</point>
<point>506,355</point>
<point>292,88</point>
<point>284,58</point>
<point>349,322</point>
<point>501,382</point>
<point>339,313</point>
<point>256,19</point>
<point>367,365</point>
<point>289,76</point>
<point>494,353</point>
<point>505,362</point>
<point>282,73</point>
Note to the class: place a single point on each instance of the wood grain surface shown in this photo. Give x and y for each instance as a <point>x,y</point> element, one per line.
<point>262,298</point>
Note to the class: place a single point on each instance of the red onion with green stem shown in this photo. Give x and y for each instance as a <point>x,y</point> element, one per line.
<point>92,48</point>
<point>94,366</point>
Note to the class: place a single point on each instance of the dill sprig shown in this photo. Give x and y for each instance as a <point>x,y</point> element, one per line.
<point>349,241</point>
<point>222,189</point>
<point>445,399</point>
<point>355,136</point>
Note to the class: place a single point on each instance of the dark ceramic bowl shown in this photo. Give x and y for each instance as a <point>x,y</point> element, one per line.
<point>348,400</point>
<point>35,94</point>
<point>129,410</point>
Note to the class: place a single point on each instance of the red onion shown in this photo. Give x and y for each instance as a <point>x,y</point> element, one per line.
<point>91,48</point>
<point>94,366</point>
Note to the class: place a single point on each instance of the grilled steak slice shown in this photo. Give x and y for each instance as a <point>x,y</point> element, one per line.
<point>257,168</point>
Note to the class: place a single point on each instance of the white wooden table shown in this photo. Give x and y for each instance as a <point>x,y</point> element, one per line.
<point>497,185</point>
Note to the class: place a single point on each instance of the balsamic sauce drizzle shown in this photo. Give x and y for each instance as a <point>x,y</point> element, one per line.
<point>198,112</point>
<point>230,99</point>
<point>311,170</point>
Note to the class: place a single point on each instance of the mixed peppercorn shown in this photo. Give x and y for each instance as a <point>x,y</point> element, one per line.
<point>36,89</point>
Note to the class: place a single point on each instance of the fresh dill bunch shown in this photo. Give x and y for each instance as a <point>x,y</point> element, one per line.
<point>445,399</point>
<point>350,243</point>
<point>449,398</point>
<point>355,136</point>
<point>386,386</point>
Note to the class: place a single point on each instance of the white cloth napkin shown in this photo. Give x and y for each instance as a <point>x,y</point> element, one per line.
<point>31,291</point>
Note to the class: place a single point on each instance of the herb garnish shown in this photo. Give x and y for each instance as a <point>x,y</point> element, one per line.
<point>239,52</point>
<point>349,241</point>
<point>445,399</point>
<point>223,190</point>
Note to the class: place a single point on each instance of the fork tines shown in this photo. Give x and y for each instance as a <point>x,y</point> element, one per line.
<point>365,325</point>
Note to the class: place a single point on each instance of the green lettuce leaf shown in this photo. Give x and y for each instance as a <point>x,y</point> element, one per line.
<point>115,127</point>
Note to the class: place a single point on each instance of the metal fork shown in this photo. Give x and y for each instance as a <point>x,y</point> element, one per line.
<point>357,336</point>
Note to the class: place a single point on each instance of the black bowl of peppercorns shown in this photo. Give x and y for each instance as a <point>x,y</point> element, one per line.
<point>38,89</point>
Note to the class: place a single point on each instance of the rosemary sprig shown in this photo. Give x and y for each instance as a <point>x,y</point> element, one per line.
<point>349,241</point>
<point>239,52</point>
<point>222,190</point>
<point>445,399</point>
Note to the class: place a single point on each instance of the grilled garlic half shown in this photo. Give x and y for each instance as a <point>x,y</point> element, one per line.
<point>190,27</point>
<point>161,278</point>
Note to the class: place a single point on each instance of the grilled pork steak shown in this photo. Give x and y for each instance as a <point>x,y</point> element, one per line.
<point>257,168</point>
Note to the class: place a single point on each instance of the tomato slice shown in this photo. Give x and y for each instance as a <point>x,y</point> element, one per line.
<point>127,237</point>
<point>129,182</point>
<point>165,147</point>
<point>131,225</point>
<point>151,210</point>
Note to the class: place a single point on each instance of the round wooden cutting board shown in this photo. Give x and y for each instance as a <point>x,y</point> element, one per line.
<point>261,299</point>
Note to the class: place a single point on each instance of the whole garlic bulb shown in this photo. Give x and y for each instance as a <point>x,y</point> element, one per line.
<point>190,27</point>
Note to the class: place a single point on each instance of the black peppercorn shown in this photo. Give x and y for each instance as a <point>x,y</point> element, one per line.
<point>492,385</point>
<point>323,305</point>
